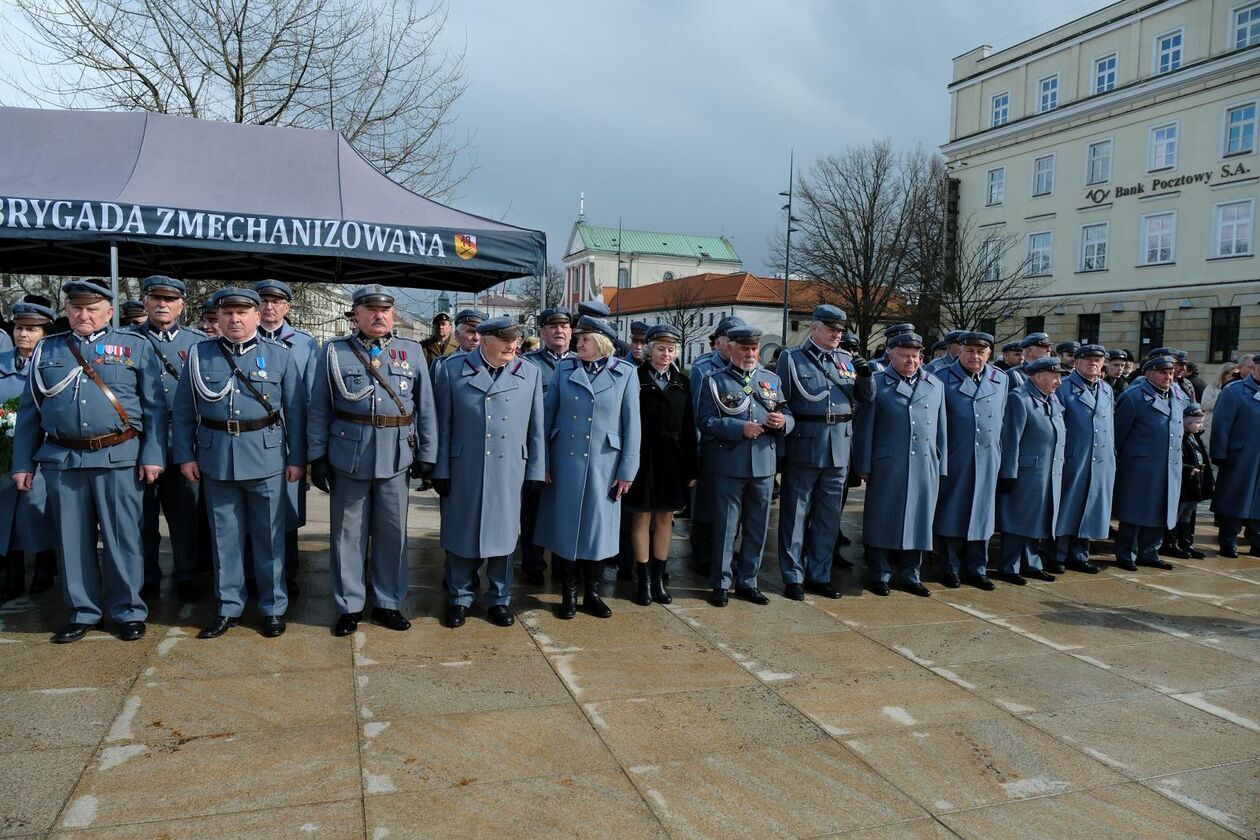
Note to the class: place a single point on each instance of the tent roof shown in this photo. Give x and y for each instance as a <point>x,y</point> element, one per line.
<point>306,205</point>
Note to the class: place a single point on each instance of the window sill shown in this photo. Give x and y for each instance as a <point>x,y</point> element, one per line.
<point>1232,257</point>
<point>1161,169</point>
<point>1041,276</point>
<point>1228,155</point>
<point>1090,271</point>
<point>1043,194</point>
<point>995,204</point>
<point>1156,264</point>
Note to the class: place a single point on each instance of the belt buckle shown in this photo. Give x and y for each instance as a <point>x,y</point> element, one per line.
<point>233,427</point>
<point>95,445</point>
<point>830,417</point>
<point>379,421</point>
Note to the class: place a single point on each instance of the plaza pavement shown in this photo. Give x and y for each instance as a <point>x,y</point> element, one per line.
<point>1120,705</point>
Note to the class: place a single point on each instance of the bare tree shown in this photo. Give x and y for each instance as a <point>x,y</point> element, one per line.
<point>530,290</point>
<point>372,70</point>
<point>684,310</point>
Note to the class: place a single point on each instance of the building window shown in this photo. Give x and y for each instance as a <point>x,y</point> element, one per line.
<point>1040,246</point>
<point>1247,26</point>
<point>995,186</point>
<point>1043,175</point>
<point>1094,247</point>
<point>1034,324</point>
<point>1223,339</point>
<point>991,260</point>
<point>1000,110</point>
<point>710,319</point>
<point>1150,332</point>
<point>1105,74</point>
<point>1168,52</point>
<point>623,278</point>
<point>1240,129</point>
<point>988,325</point>
<point>1098,162</point>
<point>1048,94</point>
<point>1232,228</point>
<point>1163,147</point>
<point>1159,232</point>
<point>1087,327</point>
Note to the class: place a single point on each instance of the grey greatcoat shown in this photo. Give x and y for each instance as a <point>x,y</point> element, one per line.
<point>1033,440</point>
<point>1236,440</point>
<point>1149,429</point>
<point>490,441</point>
<point>900,440</point>
<point>25,518</point>
<point>1089,466</point>
<point>593,436</point>
<point>974,412</point>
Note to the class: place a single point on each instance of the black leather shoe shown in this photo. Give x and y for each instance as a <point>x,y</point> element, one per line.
<point>1056,568</point>
<point>1128,567</point>
<point>980,582</point>
<point>150,589</point>
<point>838,562</point>
<point>1255,551</point>
<point>1198,553</point>
<point>1039,574</point>
<point>794,592</point>
<point>71,633</point>
<point>594,605</point>
<point>752,596</point>
<point>1157,564</point>
<point>1230,551</point>
<point>346,624</point>
<point>500,615</point>
<point>218,627</point>
<point>1087,567</point>
<point>455,616</point>
<point>131,631</point>
<point>534,577</point>
<point>272,626</point>
<point>841,539</point>
<point>391,619</point>
<point>1170,550</point>
<point>880,588</point>
<point>188,591</point>
<point>951,581</point>
<point>915,589</point>
<point>822,590</point>
<point>719,598</point>
<point>1013,578</point>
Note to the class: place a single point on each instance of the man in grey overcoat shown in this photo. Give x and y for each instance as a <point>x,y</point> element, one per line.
<point>900,446</point>
<point>1089,465</point>
<point>1235,449</point>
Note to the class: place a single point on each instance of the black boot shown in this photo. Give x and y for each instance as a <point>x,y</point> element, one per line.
<point>45,571</point>
<point>642,595</point>
<point>1185,540</point>
<point>567,570</point>
<point>658,576</point>
<point>591,602</point>
<point>14,575</point>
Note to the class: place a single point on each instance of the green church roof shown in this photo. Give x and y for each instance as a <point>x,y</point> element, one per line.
<point>650,242</point>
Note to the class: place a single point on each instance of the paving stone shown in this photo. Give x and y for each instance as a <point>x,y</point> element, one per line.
<point>242,650</point>
<point>34,785</point>
<point>1002,602</point>
<point>48,718</point>
<point>633,627</point>
<point>1228,795</point>
<point>1238,704</point>
<point>637,672</point>
<point>960,641</point>
<point>326,821</point>
<point>1107,591</point>
<point>780,659</point>
<point>1065,630</point>
<point>1049,681</point>
<point>95,661</point>
<point>1172,665</point>
<point>386,692</point>
<point>874,611</point>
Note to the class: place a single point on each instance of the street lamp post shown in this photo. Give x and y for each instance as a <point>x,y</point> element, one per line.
<point>787,247</point>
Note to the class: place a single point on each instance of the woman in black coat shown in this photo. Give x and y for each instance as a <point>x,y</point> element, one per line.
<point>667,462</point>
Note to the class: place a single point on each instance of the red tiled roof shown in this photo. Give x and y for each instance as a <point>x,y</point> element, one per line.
<point>710,289</point>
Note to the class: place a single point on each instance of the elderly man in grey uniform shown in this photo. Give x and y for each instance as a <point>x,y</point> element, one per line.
<point>953,348</point>
<point>466,321</point>
<point>822,386</point>
<point>1149,428</point>
<point>94,421</point>
<point>881,364</point>
<point>975,404</point>
<point>240,427</point>
<point>900,448</point>
<point>742,419</point>
<point>1034,346</point>
<point>371,426</point>
<point>1089,467</point>
<point>171,494</point>
<point>1235,449</point>
<point>1033,441</point>
<point>556,331</point>
<point>490,442</point>
<point>277,300</point>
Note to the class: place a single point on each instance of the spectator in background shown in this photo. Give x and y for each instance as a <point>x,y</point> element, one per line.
<point>1228,372</point>
<point>529,345</point>
<point>1196,381</point>
<point>1196,483</point>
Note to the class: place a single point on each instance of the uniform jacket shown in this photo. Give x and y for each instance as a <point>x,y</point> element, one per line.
<point>937,365</point>
<point>304,347</point>
<point>171,347</point>
<point>815,387</point>
<point>63,402</point>
<point>25,520</point>
<point>1015,377</point>
<point>900,440</point>
<point>546,362</point>
<point>974,415</point>
<point>725,407</point>
<point>593,438</point>
<point>701,368</point>
<point>490,441</point>
<point>667,454</point>
<point>1236,440</point>
<point>344,384</point>
<point>1148,455</point>
<point>1033,441</point>
<point>210,389</point>
<point>1197,484</point>
<point>435,349</point>
<point>1089,459</point>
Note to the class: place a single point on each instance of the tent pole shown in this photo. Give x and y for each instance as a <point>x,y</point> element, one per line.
<point>113,279</point>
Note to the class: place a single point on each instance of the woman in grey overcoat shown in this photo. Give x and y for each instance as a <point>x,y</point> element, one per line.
<point>593,434</point>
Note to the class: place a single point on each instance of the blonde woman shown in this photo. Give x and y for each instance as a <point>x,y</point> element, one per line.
<point>1225,374</point>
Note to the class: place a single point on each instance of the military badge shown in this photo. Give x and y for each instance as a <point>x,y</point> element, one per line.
<point>465,246</point>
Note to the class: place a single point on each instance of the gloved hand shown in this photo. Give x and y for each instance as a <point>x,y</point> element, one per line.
<point>442,486</point>
<point>534,487</point>
<point>861,367</point>
<point>1006,485</point>
<point>321,475</point>
<point>421,469</point>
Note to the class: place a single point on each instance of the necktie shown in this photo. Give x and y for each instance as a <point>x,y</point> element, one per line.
<point>19,362</point>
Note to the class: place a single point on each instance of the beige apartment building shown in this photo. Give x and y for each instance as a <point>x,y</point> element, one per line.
<point>1118,154</point>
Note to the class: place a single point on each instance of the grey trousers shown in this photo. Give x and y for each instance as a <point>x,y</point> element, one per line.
<point>880,562</point>
<point>739,503</point>
<point>810,500</point>
<point>965,557</point>
<point>175,496</point>
<point>1138,543</point>
<point>255,508</point>
<point>1020,553</point>
<point>459,577</point>
<point>361,508</point>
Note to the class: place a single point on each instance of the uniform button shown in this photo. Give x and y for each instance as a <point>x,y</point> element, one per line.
<point>82,402</point>
<point>487,451</point>
<point>487,434</point>
<point>85,425</point>
<point>238,412</point>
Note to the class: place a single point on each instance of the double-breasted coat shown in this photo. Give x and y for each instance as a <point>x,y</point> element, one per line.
<point>546,361</point>
<point>1236,440</point>
<point>1089,459</point>
<point>974,413</point>
<point>667,455</point>
<point>1033,443</point>
<point>593,438</point>
<point>25,520</point>
<point>1149,428</point>
<point>900,441</point>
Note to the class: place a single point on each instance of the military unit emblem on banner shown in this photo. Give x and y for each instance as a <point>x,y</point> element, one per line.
<point>465,246</point>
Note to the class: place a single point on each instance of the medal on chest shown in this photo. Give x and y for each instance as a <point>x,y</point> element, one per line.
<point>261,361</point>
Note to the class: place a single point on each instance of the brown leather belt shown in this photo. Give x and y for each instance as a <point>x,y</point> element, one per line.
<point>235,427</point>
<point>94,444</point>
<point>380,421</point>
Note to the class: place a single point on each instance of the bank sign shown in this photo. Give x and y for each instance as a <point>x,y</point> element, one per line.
<point>1226,174</point>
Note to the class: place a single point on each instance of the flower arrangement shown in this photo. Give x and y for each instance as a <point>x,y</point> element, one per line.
<point>8,425</point>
